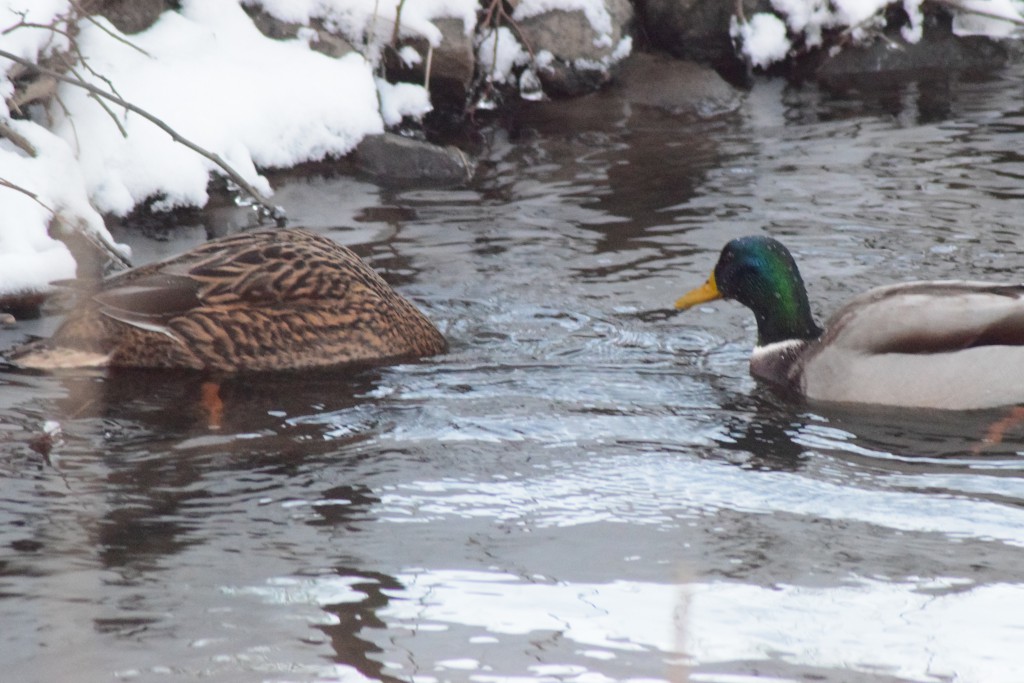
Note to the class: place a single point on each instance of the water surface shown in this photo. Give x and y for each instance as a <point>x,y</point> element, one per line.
<point>588,487</point>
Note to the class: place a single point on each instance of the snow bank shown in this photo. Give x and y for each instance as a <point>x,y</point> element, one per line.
<point>371,23</point>
<point>29,258</point>
<point>214,78</point>
<point>47,183</point>
<point>211,75</point>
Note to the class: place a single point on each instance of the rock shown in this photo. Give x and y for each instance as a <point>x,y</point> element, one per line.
<point>326,41</point>
<point>393,159</point>
<point>696,29</point>
<point>20,306</point>
<point>938,52</point>
<point>130,16</point>
<point>679,90</point>
<point>271,26</point>
<point>676,86</point>
<point>581,55</point>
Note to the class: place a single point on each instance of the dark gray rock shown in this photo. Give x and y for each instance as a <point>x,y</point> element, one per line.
<point>327,42</point>
<point>130,16</point>
<point>674,85</point>
<point>654,89</point>
<point>393,159</point>
<point>20,306</point>
<point>938,52</point>
<point>696,29</point>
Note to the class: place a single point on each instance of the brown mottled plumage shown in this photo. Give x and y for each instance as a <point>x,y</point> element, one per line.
<point>261,300</point>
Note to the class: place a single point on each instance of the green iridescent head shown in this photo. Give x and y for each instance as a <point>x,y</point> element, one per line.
<point>761,274</point>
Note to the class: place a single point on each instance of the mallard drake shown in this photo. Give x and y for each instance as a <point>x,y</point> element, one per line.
<point>935,344</point>
<point>260,300</point>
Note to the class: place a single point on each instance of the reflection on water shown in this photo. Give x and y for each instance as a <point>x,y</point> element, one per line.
<point>588,487</point>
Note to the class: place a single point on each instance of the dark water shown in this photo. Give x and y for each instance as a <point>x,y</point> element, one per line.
<point>587,488</point>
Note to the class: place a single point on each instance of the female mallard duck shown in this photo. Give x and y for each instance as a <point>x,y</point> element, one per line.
<point>261,300</point>
<point>938,344</point>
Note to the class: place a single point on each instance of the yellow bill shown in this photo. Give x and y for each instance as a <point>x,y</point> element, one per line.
<point>706,292</point>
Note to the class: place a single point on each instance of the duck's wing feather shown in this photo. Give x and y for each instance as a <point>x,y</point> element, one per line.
<point>261,268</point>
<point>254,268</point>
<point>928,318</point>
<point>948,345</point>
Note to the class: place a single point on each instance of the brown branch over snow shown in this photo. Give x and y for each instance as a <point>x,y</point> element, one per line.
<point>72,234</point>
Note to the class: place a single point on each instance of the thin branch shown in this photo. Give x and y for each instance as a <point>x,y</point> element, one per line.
<point>52,28</point>
<point>496,16</point>
<point>94,240</point>
<point>17,139</point>
<point>71,122</point>
<point>4,182</point>
<point>395,34</point>
<point>85,62</point>
<point>116,36</point>
<point>67,34</point>
<point>70,67</point>
<point>740,14</point>
<point>264,204</point>
<point>103,105</point>
<point>75,233</point>
<point>426,68</point>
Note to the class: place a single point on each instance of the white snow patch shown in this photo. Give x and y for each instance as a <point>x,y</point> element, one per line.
<point>372,22</point>
<point>409,56</point>
<point>398,100</point>
<point>594,10</point>
<point>915,30</point>
<point>763,38</point>
<point>993,18</point>
<point>499,53</point>
<point>213,77</point>
<point>29,258</point>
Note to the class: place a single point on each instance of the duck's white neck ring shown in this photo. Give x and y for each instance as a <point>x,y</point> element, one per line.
<point>776,349</point>
<point>778,363</point>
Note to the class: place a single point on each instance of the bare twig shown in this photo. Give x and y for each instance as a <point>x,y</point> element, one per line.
<point>17,139</point>
<point>395,34</point>
<point>66,33</point>
<point>103,105</point>
<point>52,28</point>
<point>116,36</point>
<point>70,119</point>
<point>4,182</point>
<point>262,202</point>
<point>85,244</point>
<point>740,14</point>
<point>497,16</point>
<point>62,228</point>
<point>426,69</point>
